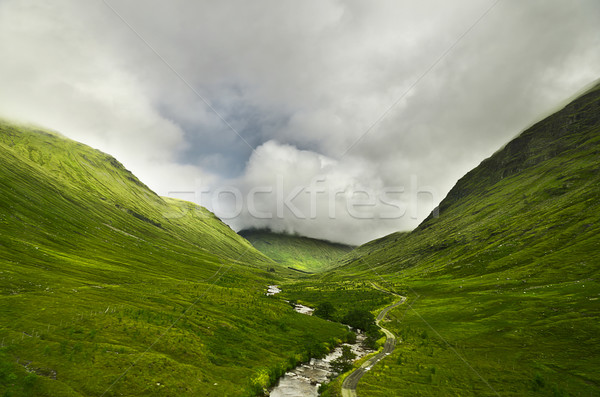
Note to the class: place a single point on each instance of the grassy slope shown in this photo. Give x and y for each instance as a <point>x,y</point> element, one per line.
<point>503,285</point>
<point>302,253</point>
<point>99,275</point>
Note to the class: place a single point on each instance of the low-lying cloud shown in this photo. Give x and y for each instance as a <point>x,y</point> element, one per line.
<point>303,192</point>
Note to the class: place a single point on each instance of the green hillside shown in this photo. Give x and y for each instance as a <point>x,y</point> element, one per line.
<point>503,292</point>
<point>108,289</point>
<point>302,253</point>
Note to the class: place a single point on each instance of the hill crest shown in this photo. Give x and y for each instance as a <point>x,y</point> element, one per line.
<point>297,252</point>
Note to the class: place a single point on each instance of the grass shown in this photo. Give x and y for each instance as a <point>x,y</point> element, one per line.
<point>505,339</point>
<point>108,289</point>
<point>503,286</point>
<point>301,253</point>
<point>345,296</point>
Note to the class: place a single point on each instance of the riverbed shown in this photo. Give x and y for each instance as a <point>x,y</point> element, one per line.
<point>305,379</point>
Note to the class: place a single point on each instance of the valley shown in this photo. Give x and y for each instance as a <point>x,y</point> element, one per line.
<point>502,286</point>
<point>109,289</point>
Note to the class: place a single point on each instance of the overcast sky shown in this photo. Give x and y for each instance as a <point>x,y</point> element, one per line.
<point>297,106</point>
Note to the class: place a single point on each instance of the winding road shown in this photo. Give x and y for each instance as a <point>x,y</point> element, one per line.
<point>351,381</point>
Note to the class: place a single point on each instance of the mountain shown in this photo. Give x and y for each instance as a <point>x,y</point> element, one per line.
<point>108,289</point>
<point>301,253</point>
<point>537,193</point>
<point>502,279</point>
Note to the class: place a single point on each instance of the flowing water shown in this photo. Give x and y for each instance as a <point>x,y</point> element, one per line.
<point>305,379</point>
<point>273,289</point>
<point>304,309</point>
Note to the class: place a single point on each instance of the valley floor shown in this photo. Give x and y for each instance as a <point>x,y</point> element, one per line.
<point>512,339</point>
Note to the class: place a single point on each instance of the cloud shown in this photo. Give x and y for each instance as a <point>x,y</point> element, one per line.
<point>306,193</point>
<point>293,86</point>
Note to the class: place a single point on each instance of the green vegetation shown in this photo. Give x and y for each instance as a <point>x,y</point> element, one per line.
<point>108,289</point>
<point>503,286</point>
<point>360,319</point>
<point>325,310</point>
<point>344,296</point>
<point>350,302</point>
<point>344,362</point>
<point>301,253</point>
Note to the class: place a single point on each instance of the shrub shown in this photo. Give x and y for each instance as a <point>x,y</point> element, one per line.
<point>30,379</point>
<point>360,319</point>
<point>344,362</point>
<point>538,382</point>
<point>325,310</point>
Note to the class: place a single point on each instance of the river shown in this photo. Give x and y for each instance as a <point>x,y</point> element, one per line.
<point>305,379</point>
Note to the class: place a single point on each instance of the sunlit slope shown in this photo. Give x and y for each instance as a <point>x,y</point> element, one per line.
<point>106,287</point>
<point>97,185</point>
<point>503,285</point>
<point>302,253</point>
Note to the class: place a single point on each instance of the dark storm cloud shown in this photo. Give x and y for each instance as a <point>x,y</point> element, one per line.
<point>298,83</point>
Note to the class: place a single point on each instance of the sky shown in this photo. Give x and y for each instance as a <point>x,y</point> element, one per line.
<point>340,120</point>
